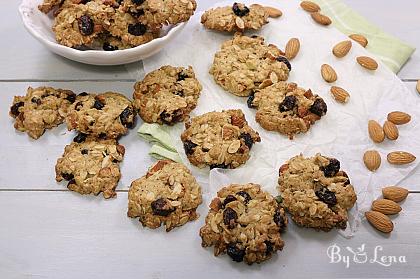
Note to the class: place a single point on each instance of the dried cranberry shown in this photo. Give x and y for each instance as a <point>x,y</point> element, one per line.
<point>326,196</point>
<point>86,25</point>
<point>137,29</point>
<point>189,147</point>
<point>182,76</point>
<point>319,107</point>
<point>80,138</point>
<point>235,253</point>
<point>245,195</point>
<point>162,207</point>
<point>228,199</point>
<point>108,47</point>
<point>279,220</point>
<point>125,118</point>
<point>238,11</point>
<point>71,97</point>
<point>229,217</point>
<point>288,103</point>
<point>67,176</point>
<point>285,61</point>
<point>332,168</point>
<point>247,139</point>
<point>14,110</point>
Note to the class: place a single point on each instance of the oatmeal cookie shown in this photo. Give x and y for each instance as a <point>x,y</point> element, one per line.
<point>286,108</point>
<point>245,222</point>
<point>42,108</point>
<point>235,18</point>
<point>244,63</point>
<point>91,165</point>
<point>167,194</point>
<point>106,115</point>
<point>167,95</point>
<point>315,192</point>
<point>219,139</point>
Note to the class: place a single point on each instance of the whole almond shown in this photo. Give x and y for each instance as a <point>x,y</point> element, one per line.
<point>339,94</point>
<point>273,12</point>
<point>321,19</point>
<point>360,39</point>
<point>376,133</point>
<point>379,221</point>
<point>372,160</point>
<point>292,48</point>
<point>399,117</point>
<point>400,158</point>
<point>394,193</point>
<point>367,62</point>
<point>328,73</point>
<point>310,6</point>
<point>418,86</point>
<point>342,48</point>
<point>387,207</point>
<point>390,130</point>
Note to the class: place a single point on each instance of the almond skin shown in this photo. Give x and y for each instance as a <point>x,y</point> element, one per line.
<point>328,73</point>
<point>387,207</point>
<point>372,160</point>
<point>360,39</point>
<point>321,19</point>
<point>376,133</point>
<point>400,158</point>
<point>379,221</point>
<point>310,6</point>
<point>273,12</point>
<point>339,94</point>
<point>390,130</point>
<point>367,63</point>
<point>394,193</point>
<point>292,48</point>
<point>399,117</point>
<point>342,48</point>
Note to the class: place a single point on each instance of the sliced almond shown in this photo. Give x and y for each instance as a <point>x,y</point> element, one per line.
<point>367,62</point>
<point>360,39</point>
<point>292,48</point>
<point>328,73</point>
<point>339,94</point>
<point>400,158</point>
<point>273,12</point>
<point>321,19</point>
<point>240,23</point>
<point>265,83</point>
<point>399,117</point>
<point>390,130</point>
<point>342,48</point>
<point>310,6</point>
<point>372,160</point>
<point>376,133</point>
<point>234,146</point>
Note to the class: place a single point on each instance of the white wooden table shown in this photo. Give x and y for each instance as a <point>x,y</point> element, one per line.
<point>48,232</point>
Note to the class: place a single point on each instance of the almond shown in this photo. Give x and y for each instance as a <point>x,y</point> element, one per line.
<point>387,207</point>
<point>339,94</point>
<point>418,86</point>
<point>390,130</point>
<point>360,39</point>
<point>328,73</point>
<point>379,221</point>
<point>341,49</point>
<point>310,6</point>
<point>400,158</point>
<point>240,23</point>
<point>321,19</point>
<point>372,160</point>
<point>292,48</point>
<point>273,12</point>
<point>399,117</point>
<point>394,193</point>
<point>367,62</point>
<point>376,133</point>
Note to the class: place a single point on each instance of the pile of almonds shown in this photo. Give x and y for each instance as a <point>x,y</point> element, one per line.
<point>377,216</point>
<point>377,133</point>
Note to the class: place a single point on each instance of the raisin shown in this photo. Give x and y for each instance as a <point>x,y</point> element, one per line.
<point>162,207</point>
<point>219,166</point>
<point>36,100</point>
<point>86,25</point>
<point>251,98</point>
<point>125,117</point>
<point>347,182</point>
<point>228,199</point>
<point>137,14</point>
<point>171,118</point>
<point>83,94</point>
<point>332,168</point>
<point>78,106</point>
<point>326,196</point>
<point>319,107</point>
<point>229,217</point>
<point>98,104</point>
<point>182,76</point>
<point>179,93</point>
<point>67,176</point>
<point>137,29</point>
<point>268,247</point>
<point>138,2</point>
<point>71,97</point>
<point>14,110</point>
<point>288,103</point>
<point>238,11</point>
<point>285,61</point>
<point>80,138</point>
<point>189,147</point>
<point>247,139</point>
<point>245,195</point>
<point>279,199</point>
<point>279,220</point>
<point>108,47</point>
<point>84,151</point>
<point>102,135</point>
<point>235,253</point>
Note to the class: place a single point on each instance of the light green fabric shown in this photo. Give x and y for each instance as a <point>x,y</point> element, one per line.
<point>392,51</point>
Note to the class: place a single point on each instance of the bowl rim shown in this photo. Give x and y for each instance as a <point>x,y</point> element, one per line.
<point>88,53</point>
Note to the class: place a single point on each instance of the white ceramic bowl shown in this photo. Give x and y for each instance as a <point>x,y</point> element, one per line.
<point>39,25</point>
